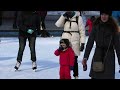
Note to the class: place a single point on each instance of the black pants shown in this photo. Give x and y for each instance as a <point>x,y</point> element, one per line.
<point>45,33</point>
<point>22,44</point>
<point>75,70</point>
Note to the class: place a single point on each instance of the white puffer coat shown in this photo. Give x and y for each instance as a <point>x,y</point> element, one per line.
<point>75,38</point>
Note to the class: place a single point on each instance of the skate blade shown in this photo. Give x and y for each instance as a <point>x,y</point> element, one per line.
<point>34,70</point>
<point>16,70</point>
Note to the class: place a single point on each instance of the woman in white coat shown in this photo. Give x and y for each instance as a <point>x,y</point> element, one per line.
<point>74,30</point>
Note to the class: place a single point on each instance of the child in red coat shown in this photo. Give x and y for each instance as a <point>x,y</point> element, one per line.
<point>67,55</point>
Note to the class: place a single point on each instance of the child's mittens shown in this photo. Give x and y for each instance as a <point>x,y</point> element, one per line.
<point>60,48</point>
<point>71,67</point>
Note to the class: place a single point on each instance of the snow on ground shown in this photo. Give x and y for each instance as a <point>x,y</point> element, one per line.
<point>47,62</point>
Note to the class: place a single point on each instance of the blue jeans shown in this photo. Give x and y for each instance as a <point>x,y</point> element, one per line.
<point>22,44</point>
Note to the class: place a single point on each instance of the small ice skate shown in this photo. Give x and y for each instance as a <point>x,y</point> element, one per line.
<point>17,66</point>
<point>34,66</point>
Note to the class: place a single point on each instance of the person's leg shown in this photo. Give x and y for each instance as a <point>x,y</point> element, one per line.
<point>75,70</point>
<point>61,72</point>
<point>32,41</point>
<point>67,72</point>
<point>93,78</point>
<point>22,44</point>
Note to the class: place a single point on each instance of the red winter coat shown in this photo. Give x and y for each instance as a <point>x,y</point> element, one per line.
<point>66,57</point>
<point>89,23</point>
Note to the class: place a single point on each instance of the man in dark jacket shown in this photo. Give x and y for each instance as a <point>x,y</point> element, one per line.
<point>29,26</point>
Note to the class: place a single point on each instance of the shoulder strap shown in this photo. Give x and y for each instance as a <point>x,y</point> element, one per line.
<point>66,20</point>
<point>108,49</point>
<point>71,21</point>
<point>77,19</point>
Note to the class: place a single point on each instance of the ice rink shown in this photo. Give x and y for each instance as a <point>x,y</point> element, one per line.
<point>47,62</point>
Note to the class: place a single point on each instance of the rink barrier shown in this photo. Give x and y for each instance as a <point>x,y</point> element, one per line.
<point>14,33</point>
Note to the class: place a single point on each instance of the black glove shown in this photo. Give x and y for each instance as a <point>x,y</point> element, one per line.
<point>82,47</point>
<point>84,67</point>
<point>71,67</point>
<point>60,48</point>
<point>84,63</point>
<point>65,14</point>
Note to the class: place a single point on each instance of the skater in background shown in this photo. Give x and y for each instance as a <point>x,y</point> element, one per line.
<point>66,58</point>
<point>89,24</point>
<point>74,30</point>
<point>29,26</point>
<point>105,35</point>
<point>43,31</point>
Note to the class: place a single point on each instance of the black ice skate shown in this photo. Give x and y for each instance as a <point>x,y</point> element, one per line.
<point>34,66</point>
<point>17,65</point>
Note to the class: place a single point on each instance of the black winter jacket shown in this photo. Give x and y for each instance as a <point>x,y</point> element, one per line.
<point>28,20</point>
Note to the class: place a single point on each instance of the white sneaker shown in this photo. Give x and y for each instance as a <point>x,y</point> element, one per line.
<point>34,65</point>
<point>17,65</point>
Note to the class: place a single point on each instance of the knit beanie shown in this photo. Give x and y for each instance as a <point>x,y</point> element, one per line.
<point>106,12</point>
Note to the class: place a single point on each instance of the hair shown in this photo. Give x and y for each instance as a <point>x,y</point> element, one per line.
<point>66,41</point>
<point>111,21</point>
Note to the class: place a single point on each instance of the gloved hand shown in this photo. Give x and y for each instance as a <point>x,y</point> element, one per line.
<point>30,31</point>
<point>60,48</point>
<point>65,14</point>
<point>71,67</point>
<point>82,47</point>
<point>85,67</point>
<point>84,63</point>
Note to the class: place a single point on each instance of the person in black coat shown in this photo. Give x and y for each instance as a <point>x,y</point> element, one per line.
<point>106,36</point>
<point>29,26</point>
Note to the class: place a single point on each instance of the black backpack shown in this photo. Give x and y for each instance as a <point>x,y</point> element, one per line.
<point>67,19</point>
